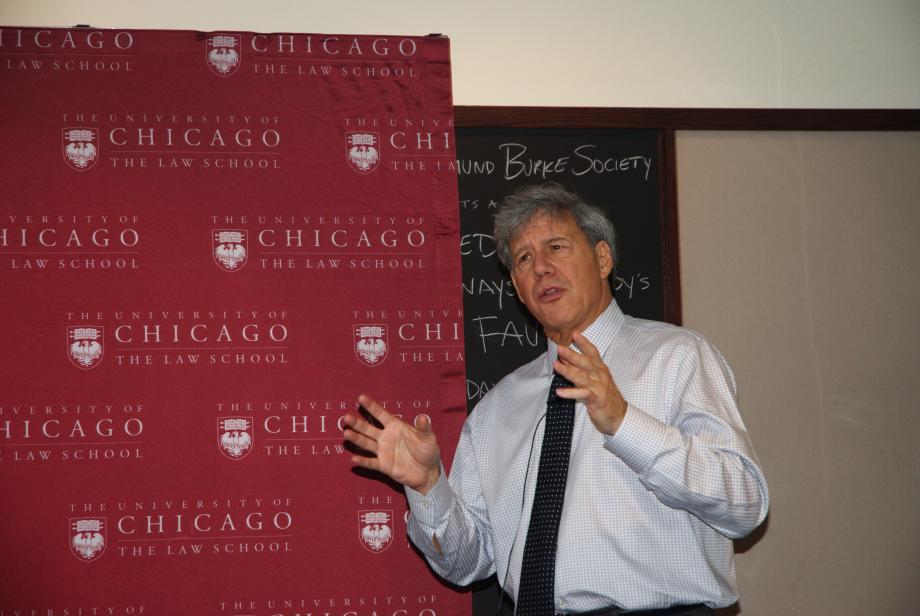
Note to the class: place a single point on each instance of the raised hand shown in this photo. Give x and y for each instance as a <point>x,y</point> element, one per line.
<point>593,384</point>
<point>407,454</point>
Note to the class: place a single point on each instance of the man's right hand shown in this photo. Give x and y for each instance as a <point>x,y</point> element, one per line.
<point>407,454</point>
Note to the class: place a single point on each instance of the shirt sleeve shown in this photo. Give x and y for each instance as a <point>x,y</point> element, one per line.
<point>450,524</point>
<point>700,459</point>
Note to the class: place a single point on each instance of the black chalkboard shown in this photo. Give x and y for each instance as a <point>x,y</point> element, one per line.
<point>618,170</point>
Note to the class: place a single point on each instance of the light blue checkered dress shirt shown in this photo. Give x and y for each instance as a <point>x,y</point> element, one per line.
<point>649,512</point>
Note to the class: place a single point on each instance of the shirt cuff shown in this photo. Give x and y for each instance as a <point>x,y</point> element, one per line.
<point>432,508</point>
<point>641,438</point>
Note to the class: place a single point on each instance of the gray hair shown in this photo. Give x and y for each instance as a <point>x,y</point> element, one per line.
<point>551,199</point>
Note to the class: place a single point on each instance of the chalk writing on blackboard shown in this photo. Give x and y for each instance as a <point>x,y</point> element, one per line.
<point>616,170</point>
<point>584,159</point>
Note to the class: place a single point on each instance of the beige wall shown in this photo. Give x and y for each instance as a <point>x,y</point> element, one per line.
<point>799,251</point>
<point>799,257</point>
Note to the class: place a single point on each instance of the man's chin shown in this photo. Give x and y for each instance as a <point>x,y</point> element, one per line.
<point>556,330</point>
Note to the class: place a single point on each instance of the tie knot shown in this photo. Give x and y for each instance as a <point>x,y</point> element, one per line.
<point>560,381</point>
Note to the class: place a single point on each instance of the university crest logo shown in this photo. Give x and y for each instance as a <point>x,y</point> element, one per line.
<point>85,345</point>
<point>80,147</point>
<point>234,436</point>
<point>87,538</point>
<point>224,53</point>
<point>371,344</point>
<point>229,249</point>
<point>375,530</point>
<point>362,151</point>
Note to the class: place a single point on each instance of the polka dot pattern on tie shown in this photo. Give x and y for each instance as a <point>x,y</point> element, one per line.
<point>538,570</point>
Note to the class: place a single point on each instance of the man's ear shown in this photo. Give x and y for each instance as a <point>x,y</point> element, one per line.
<point>604,258</point>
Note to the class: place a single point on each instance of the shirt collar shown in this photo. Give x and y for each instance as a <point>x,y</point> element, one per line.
<point>599,333</point>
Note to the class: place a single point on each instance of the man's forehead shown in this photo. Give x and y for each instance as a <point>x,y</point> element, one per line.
<point>548,225</point>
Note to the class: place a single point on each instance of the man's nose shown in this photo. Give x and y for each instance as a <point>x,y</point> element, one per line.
<point>542,264</point>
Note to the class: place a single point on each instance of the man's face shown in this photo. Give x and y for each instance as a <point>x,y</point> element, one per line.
<point>559,275</point>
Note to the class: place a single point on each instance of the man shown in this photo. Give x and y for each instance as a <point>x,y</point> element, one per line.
<point>661,473</point>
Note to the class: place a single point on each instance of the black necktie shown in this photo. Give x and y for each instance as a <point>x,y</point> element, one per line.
<point>538,567</point>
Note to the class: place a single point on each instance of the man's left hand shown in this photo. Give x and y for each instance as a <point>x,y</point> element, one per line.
<point>593,384</point>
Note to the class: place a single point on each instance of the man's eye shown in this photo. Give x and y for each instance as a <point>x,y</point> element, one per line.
<point>523,258</point>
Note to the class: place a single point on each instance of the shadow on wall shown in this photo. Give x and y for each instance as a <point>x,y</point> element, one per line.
<point>742,546</point>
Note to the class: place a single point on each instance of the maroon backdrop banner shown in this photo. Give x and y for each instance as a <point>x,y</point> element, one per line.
<point>210,244</point>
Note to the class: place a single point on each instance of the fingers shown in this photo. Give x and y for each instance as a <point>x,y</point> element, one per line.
<point>585,369</point>
<point>422,423</point>
<point>574,358</point>
<point>361,427</point>
<point>574,393</point>
<point>365,443</point>
<point>366,462</point>
<point>585,345</point>
<point>373,407</point>
<point>574,366</point>
<point>577,366</point>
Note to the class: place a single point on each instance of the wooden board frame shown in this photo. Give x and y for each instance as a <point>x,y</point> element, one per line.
<point>689,118</point>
